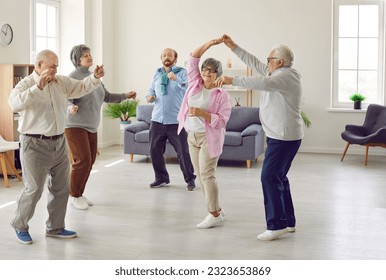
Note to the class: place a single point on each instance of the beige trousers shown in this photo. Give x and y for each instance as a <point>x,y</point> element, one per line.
<point>205,168</point>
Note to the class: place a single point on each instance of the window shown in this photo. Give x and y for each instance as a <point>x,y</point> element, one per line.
<point>45,26</point>
<point>358,51</point>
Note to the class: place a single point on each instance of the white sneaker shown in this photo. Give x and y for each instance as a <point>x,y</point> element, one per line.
<point>89,202</point>
<point>291,229</point>
<point>210,221</point>
<point>269,235</point>
<point>222,213</point>
<point>78,203</point>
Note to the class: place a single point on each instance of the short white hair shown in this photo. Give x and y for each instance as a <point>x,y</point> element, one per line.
<point>285,53</point>
<point>44,55</point>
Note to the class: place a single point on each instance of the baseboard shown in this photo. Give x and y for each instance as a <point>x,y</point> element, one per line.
<point>353,149</point>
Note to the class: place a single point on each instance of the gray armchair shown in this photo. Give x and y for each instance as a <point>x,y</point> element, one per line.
<point>244,136</point>
<point>371,134</point>
<point>136,135</point>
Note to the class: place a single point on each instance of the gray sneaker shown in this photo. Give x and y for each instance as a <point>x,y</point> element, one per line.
<point>159,184</point>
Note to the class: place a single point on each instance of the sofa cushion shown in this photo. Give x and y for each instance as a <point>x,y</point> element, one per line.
<point>137,127</point>
<point>144,113</point>
<point>142,136</point>
<point>252,130</point>
<point>241,117</point>
<point>233,138</point>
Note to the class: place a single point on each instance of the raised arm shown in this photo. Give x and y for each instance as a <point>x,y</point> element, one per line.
<point>203,48</point>
<point>249,59</point>
<point>229,42</point>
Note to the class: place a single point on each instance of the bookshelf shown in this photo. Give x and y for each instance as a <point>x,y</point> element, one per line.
<point>10,75</point>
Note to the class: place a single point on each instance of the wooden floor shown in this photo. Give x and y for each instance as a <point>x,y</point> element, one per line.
<point>340,208</point>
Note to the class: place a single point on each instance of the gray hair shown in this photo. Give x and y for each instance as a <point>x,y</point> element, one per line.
<point>285,53</point>
<point>77,52</point>
<point>214,64</point>
<point>44,55</point>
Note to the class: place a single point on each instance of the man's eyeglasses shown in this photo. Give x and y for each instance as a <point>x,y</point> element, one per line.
<point>270,58</point>
<point>205,69</point>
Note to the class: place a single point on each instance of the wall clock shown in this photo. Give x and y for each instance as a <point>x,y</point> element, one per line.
<point>6,34</point>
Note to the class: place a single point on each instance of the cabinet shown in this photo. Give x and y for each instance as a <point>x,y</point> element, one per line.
<point>10,75</point>
<point>241,95</point>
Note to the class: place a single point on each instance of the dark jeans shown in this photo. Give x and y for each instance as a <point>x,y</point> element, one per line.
<point>279,210</point>
<point>159,133</point>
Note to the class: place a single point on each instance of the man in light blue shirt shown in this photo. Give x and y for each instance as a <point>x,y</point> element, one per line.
<point>167,91</point>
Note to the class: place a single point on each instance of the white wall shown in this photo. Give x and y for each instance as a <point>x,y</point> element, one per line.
<point>127,36</point>
<point>16,13</point>
<point>72,31</point>
<point>91,24</point>
<point>144,28</point>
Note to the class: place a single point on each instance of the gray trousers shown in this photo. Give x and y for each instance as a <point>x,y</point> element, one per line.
<point>39,158</point>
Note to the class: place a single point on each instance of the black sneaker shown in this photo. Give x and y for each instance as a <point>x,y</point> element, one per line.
<point>159,184</point>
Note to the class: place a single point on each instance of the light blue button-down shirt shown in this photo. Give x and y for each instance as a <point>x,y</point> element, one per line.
<point>166,107</point>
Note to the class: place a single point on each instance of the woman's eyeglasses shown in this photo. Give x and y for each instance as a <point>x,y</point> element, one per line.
<point>205,69</point>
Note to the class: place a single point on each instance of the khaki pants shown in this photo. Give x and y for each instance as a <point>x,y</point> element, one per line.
<point>41,158</point>
<point>205,168</point>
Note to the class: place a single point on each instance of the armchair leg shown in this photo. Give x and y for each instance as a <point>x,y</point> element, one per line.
<point>345,151</point>
<point>131,157</point>
<point>248,163</point>
<point>367,154</point>
<point>4,169</point>
<point>13,167</point>
<point>4,158</point>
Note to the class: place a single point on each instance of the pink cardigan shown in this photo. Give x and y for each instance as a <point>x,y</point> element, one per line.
<point>219,108</point>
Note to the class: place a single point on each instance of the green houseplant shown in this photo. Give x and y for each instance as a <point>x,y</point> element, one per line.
<point>306,119</point>
<point>122,111</point>
<point>357,98</point>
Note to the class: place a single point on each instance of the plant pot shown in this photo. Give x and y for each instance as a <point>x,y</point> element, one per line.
<point>357,105</point>
<point>123,124</point>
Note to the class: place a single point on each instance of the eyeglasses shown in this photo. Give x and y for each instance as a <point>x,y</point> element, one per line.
<point>270,58</point>
<point>205,69</point>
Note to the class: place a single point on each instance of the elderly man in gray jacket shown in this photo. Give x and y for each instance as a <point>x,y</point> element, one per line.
<point>280,108</point>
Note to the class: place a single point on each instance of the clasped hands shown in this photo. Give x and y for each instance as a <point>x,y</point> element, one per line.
<point>195,112</point>
<point>46,76</point>
<point>227,40</point>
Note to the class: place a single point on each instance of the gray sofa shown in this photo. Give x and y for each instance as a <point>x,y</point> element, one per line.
<point>244,137</point>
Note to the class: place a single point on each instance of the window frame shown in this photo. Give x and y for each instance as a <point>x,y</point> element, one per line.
<point>53,3</point>
<point>335,49</point>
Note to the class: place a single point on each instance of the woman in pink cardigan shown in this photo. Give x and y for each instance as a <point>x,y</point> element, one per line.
<point>204,113</point>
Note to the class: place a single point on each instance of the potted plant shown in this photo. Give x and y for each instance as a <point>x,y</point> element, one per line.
<point>123,111</point>
<point>306,119</point>
<point>357,98</point>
